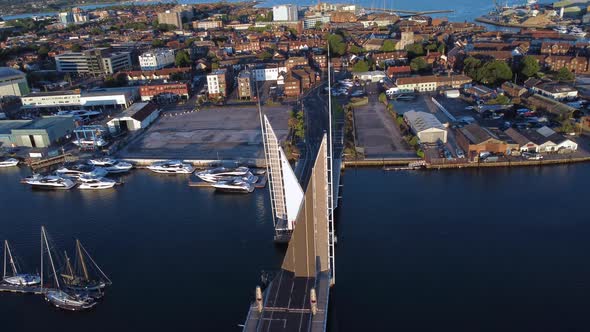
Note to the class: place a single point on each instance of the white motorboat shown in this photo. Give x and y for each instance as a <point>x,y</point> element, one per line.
<point>171,167</point>
<point>49,182</point>
<point>75,170</point>
<point>85,142</point>
<point>234,186</point>
<point>224,174</point>
<point>111,165</point>
<point>89,182</point>
<point>10,162</point>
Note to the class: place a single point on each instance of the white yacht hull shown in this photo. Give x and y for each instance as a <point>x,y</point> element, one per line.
<point>96,186</point>
<point>9,163</point>
<point>23,280</point>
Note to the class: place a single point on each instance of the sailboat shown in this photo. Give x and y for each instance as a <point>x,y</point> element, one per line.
<point>78,278</point>
<point>17,279</point>
<point>58,297</point>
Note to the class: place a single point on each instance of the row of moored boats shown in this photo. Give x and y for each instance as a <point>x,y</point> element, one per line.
<point>240,179</point>
<point>74,286</point>
<point>90,175</point>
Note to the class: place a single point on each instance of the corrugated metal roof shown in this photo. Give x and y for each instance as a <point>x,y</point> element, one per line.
<point>420,121</point>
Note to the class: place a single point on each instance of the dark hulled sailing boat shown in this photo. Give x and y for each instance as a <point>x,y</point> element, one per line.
<point>79,277</point>
<point>59,296</point>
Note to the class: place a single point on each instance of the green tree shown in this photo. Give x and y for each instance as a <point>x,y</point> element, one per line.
<point>470,66</point>
<point>296,123</point>
<point>355,49</point>
<point>565,74</point>
<point>415,50</point>
<point>76,48</point>
<point>265,55</point>
<point>337,45</point>
<point>166,27</point>
<point>388,46</point>
<point>182,59</point>
<point>419,64</point>
<point>360,66</point>
<point>529,66</point>
<point>382,97</point>
<point>494,72</point>
<point>318,25</point>
<point>158,43</point>
<point>43,51</point>
<point>500,100</point>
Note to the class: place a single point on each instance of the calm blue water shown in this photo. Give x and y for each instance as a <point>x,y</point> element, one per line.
<point>464,9</point>
<point>465,250</point>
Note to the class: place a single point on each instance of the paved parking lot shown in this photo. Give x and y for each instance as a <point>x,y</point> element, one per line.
<point>378,133</point>
<point>212,133</point>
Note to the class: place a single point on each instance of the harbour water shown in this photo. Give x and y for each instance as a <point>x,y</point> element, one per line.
<point>465,10</point>
<point>463,250</point>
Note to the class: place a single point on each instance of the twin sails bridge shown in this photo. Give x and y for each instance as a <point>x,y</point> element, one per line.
<point>297,297</point>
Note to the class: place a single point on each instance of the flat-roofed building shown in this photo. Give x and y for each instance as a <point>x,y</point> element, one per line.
<point>116,97</point>
<point>94,61</point>
<point>164,90</point>
<point>156,59</point>
<point>268,72</point>
<point>52,99</point>
<point>246,89</point>
<point>219,83</point>
<point>171,17</point>
<point>285,13</point>
<point>431,82</point>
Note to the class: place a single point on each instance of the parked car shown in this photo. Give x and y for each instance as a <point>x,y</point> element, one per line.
<point>460,153</point>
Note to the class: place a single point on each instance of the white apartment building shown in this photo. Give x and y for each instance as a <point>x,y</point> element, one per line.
<point>285,13</point>
<point>156,59</point>
<point>268,73</point>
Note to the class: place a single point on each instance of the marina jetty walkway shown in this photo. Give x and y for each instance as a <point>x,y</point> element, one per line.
<point>22,289</point>
<point>509,163</point>
<point>517,163</point>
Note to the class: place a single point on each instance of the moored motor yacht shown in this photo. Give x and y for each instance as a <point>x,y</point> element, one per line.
<point>225,174</point>
<point>89,182</point>
<point>171,167</point>
<point>235,186</point>
<point>10,162</point>
<point>111,165</point>
<point>49,182</point>
<point>76,170</point>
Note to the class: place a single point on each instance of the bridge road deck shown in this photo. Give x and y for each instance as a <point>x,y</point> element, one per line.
<point>287,305</point>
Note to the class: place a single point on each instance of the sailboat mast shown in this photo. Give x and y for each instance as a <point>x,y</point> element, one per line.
<point>5,245</point>
<point>69,266</point>
<point>41,258</point>
<point>44,235</point>
<point>94,263</point>
<point>82,262</point>
<point>7,249</point>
